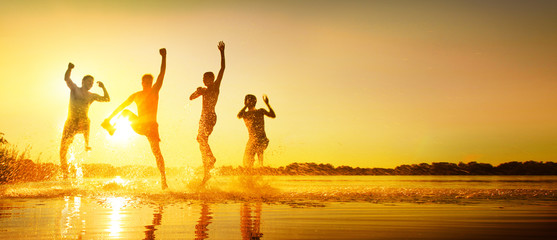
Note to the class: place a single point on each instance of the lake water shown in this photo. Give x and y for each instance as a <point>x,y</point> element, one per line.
<point>284,207</point>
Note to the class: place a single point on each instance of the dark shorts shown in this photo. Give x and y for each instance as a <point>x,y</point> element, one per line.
<point>148,129</point>
<point>74,126</point>
<point>207,123</point>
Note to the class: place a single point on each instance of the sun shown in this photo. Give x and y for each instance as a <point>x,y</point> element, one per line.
<point>124,131</point>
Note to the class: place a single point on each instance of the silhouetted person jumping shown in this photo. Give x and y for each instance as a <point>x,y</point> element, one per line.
<point>145,122</point>
<point>208,119</point>
<point>78,119</point>
<point>255,122</point>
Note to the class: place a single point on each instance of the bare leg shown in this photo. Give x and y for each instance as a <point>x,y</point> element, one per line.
<point>129,115</point>
<point>86,136</point>
<point>206,155</point>
<point>67,139</point>
<point>260,157</point>
<point>249,155</point>
<point>160,160</point>
<point>206,125</point>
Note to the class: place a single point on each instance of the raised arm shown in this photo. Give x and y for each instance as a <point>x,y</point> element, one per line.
<point>197,93</point>
<point>242,112</point>
<point>271,112</point>
<point>104,98</point>
<point>122,106</point>
<point>158,84</point>
<point>67,78</point>
<point>222,64</point>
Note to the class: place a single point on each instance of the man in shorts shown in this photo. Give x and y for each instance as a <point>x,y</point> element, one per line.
<point>208,119</point>
<point>145,122</point>
<point>255,122</point>
<point>78,119</point>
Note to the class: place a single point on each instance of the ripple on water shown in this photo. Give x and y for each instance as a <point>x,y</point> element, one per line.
<point>222,189</point>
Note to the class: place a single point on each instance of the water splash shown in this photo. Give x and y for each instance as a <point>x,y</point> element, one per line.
<point>116,183</point>
<point>286,190</point>
<point>77,155</point>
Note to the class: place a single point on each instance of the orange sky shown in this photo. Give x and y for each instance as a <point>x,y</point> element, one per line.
<point>374,84</point>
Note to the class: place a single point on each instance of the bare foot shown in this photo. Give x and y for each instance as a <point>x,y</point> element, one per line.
<point>109,128</point>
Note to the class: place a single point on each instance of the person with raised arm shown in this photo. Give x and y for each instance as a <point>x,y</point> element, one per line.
<point>145,122</point>
<point>210,94</point>
<point>78,119</point>
<point>255,122</point>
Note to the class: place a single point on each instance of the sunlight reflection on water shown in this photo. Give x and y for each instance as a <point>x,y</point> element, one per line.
<point>116,204</point>
<point>124,218</point>
<point>282,207</point>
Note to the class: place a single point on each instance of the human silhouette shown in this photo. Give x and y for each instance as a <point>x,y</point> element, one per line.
<point>78,119</point>
<point>250,225</point>
<point>201,230</point>
<point>208,119</point>
<point>157,220</point>
<point>145,122</point>
<point>255,122</point>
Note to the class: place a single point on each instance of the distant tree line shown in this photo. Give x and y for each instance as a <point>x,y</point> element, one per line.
<point>436,168</point>
<point>24,170</point>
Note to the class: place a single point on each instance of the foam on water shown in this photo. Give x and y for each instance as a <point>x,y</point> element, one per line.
<point>283,189</point>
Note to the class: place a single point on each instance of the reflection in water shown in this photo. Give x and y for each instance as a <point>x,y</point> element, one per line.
<point>250,225</point>
<point>70,218</point>
<point>116,204</point>
<point>157,219</point>
<point>201,230</point>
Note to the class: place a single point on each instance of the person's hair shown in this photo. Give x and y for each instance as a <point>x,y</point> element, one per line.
<point>147,78</point>
<point>250,97</point>
<point>208,75</point>
<point>86,77</point>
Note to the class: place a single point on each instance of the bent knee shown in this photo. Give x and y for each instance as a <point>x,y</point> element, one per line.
<point>201,138</point>
<point>126,113</point>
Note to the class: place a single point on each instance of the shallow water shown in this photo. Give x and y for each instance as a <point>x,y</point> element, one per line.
<point>284,207</point>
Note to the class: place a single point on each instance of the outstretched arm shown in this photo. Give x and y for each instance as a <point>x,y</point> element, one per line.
<point>67,78</point>
<point>222,64</point>
<point>158,84</point>
<point>104,98</point>
<point>271,112</point>
<point>121,107</point>
<point>197,93</point>
<point>242,112</point>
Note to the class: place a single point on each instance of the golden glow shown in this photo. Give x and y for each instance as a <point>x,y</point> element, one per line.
<point>70,219</point>
<point>115,225</point>
<point>366,83</point>
<point>76,156</point>
<point>119,181</point>
<point>124,131</point>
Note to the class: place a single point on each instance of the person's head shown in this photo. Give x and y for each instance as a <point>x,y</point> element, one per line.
<point>87,82</point>
<point>208,78</point>
<point>147,81</point>
<point>250,101</point>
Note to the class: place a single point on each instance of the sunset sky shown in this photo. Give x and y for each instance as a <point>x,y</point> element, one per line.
<point>358,83</point>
